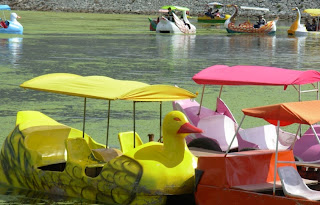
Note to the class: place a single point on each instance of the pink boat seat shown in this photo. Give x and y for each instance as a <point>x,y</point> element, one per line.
<point>221,128</point>
<point>307,147</point>
<point>264,137</point>
<point>191,107</point>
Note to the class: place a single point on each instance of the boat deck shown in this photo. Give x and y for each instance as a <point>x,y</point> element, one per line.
<point>262,187</point>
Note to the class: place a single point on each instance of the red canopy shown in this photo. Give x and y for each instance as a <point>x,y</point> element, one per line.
<point>306,112</point>
<point>254,75</point>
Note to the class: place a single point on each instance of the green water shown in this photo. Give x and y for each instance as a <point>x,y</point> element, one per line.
<point>122,47</point>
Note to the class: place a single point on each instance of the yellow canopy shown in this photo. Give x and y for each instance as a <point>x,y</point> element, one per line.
<point>306,112</point>
<point>101,87</point>
<point>312,12</point>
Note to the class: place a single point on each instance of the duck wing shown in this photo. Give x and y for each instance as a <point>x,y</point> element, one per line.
<point>122,176</point>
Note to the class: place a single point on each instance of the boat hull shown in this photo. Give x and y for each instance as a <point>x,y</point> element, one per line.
<point>297,33</point>
<point>269,28</point>
<point>12,29</point>
<point>208,195</point>
<point>165,26</point>
<point>207,19</point>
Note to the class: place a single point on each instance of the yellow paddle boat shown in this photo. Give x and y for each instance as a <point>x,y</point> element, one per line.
<point>315,14</point>
<point>213,14</point>
<point>44,155</point>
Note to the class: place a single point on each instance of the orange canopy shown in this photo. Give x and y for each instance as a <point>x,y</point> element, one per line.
<point>307,112</point>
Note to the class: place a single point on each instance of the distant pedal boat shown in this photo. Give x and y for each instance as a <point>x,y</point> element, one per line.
<point>11,26</point>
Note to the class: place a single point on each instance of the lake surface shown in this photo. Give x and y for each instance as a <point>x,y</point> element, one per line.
<point>142,55</point>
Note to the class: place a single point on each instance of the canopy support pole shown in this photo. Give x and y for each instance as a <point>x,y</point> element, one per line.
<point>201,99</point>
<point>299,93</point>
<point>235,135</point>
<point>134,124</point>
<point>160,119</point>
<point>220,91</point>
<point>108,122</point>
<point>84,117</point>
<point>317,90</point>
<point>276,161</point>
<point>4,15</point>
<point>296,137</point>
<point>315,133</point>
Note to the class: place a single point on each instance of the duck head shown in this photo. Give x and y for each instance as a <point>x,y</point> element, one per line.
<point>175,128</point>
<point>14,16</point>
<point>176,124</point>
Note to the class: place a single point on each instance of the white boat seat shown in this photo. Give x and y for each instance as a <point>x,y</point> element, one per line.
<point>221,128</point>
<point>293,185</point>
<point>264,137</point>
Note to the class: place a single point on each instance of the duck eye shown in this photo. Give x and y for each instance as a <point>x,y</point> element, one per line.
<point>177,119</point>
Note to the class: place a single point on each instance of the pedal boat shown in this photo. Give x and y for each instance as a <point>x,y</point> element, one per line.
<point>219,124</point>
<point>315,13</point>
<point>247,27</point>
<point>43,155</point>
<point>256,177</point>
<point>175,25</point>
<point>217,19</point>
<point>296,28</point>
<point>11,26</point>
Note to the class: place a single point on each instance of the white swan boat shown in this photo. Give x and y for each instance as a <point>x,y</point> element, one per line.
<point>174,24</point>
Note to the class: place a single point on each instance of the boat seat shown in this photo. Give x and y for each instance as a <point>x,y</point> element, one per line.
<point>293,185</point>
<point>220,128</point>
<point>190,108</point>
<point>126,141</point>
<point>79,151</point>
<point>264,137</point>
<point>3,24</point>
<point>106,155</point>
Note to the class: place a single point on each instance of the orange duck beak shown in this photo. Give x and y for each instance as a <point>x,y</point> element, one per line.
<point>188,128</point>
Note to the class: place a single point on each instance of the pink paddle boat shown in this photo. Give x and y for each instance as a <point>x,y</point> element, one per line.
<point>220,126</point>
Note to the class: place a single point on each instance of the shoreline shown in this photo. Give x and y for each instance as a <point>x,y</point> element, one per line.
<point>280,8</point>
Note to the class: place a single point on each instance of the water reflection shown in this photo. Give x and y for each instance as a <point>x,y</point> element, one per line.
<point>11,195</point>
<point>11,50</point>
<point>246,43</point>
<point>176,46</point>
<point>298,47</point>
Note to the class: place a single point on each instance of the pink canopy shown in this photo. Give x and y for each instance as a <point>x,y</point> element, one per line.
<point>254,75</point>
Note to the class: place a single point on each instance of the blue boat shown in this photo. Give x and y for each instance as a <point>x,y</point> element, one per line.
<point>11,26</point>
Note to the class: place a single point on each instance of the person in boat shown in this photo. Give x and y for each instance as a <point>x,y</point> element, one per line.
<point>314,24</point>
<point>216,13</point>
<point>209,13</point>
<point>261,21</point>
<point>308,25</point>
<point>170,14</point>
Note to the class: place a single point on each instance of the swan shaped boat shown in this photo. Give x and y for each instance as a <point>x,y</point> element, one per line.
<point>173,24</point>
<point>296,28</point>
<point>247,27</point>
<point>11,26</point>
